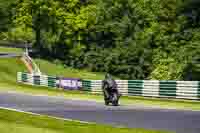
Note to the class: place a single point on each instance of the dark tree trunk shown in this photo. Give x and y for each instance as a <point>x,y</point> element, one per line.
<point>38,39</point>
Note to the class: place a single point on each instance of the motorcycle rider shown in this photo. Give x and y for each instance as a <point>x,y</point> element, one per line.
<point>108,84</point>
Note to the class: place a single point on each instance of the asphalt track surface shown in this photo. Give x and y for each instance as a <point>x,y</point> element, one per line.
<point>127,116</point>
<point>9,55</point>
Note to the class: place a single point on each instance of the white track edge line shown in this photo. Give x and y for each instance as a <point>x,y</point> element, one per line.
<point>58,118</point>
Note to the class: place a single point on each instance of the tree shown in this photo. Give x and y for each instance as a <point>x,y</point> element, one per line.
<point>6,14</point>
<point>132,39</point>
<point>54,21</point>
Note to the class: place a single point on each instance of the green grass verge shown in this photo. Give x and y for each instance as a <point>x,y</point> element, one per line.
<point>10,67</point>
<point>16,122</point>
<point>60,70</point>
<point>10,50</point>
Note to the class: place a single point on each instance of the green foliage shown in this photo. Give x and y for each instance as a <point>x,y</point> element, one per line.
<point>54,22</point>
<point>167,69</point>
<point>19,34</point>
<point>6,9</point>
<point>133,39</point>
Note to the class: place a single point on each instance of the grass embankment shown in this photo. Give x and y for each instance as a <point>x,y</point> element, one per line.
<point>16,122</point>
<point>10,50</point>
<point>59,70</point>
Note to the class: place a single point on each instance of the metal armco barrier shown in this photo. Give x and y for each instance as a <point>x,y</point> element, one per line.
<point>41,80</point>
<point>152,88</point>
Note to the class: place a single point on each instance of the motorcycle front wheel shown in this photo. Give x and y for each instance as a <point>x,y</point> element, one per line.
<point>115,100</point>
<point>106,103</point>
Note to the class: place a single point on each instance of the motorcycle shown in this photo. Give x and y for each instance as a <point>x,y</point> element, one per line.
<point>113,97</point>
